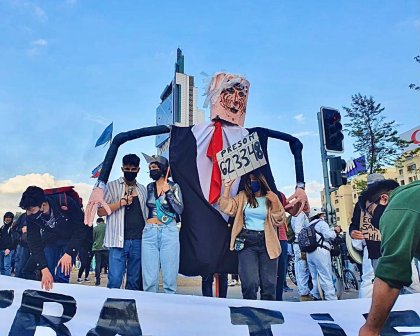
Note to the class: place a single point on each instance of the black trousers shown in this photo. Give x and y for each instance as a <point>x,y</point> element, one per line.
<point>101,260</point>
<point>85,261</point>
<point>257,270</point>
<point>207,284</point>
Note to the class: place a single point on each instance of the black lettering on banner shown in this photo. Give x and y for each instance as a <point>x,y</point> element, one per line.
<point>239,144</point>
<point>237,161</point>
<point>245,140</point>
<point>118,317</point>
<point>251,136</point>
<point>29,315</point>
<point>234,147</point>
<point>251,149</point>
<point>6,298</point>
<point>258,320</point>
<point>244,157</point>
<point>229,149</point>
<point>223,152</point>
<point>403,318</point>
<point>328,328</point>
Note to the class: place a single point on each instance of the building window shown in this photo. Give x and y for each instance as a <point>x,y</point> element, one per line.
<point>336,201</point>
<point>338,219</point>
<point>337,210</point>
<point>410,179</point>
<point>401,171</point>
<point>411,168</point>
<point>402,182</point>
<point>355,196</point>
<point>354,187</point>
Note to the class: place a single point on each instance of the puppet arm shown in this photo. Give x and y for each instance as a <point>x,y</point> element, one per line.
<point>96,198</point>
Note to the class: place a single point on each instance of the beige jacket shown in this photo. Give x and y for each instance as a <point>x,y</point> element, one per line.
<point>234,208</point>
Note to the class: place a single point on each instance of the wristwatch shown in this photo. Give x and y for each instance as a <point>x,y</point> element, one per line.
<point>300,185</point>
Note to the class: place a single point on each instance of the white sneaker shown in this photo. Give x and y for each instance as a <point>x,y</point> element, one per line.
<point>79,280</point>
<point>87,280</point>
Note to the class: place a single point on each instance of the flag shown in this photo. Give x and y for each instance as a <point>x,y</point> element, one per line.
<point>105,136</point>
<point>356,166</point>
<point>97,171</point>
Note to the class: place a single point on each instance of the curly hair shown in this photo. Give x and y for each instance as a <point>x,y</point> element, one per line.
<point>32,196</point>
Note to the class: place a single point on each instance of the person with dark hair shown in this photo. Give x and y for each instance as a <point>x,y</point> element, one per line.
<point>7,248</point>
<point>54,235</point>
<point>257,212</point>
<point>123,235</point>
<point>22,249</point>
<point>400,233</point>
<point>86,255</point>
<point>160,247</point>
<point>101,253</point>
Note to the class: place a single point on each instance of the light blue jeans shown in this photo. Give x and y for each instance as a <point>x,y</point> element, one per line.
<point>302,271</point>
<point>160,250</point>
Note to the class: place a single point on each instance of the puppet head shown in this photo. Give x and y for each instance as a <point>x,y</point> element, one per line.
<point>227,95</point>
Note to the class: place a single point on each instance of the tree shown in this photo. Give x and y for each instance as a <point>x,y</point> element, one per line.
<point>412,85</point>
<point>376,138</point>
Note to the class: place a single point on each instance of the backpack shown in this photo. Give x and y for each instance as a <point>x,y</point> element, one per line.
<point>63,193</point>
<point>307,238</point>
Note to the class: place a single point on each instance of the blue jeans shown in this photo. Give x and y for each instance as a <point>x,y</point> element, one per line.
<point>53,253</point>
<point>281,270</point>
<point>6,263</point>
<point>160,249</point>
<point>21,257</point>
<point>122,260</point>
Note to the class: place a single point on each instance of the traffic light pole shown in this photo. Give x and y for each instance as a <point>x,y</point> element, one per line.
<point>324,159</point>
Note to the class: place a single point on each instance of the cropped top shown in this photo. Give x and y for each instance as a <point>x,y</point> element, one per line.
<point>171,201</point>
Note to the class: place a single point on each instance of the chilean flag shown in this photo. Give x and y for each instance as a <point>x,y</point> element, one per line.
<point>205,232</point>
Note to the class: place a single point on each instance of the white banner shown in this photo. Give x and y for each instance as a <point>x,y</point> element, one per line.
<point>82,310</point>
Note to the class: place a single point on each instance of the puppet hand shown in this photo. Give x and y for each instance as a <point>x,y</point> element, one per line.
<point>297,203</point>
<point>96,200</point>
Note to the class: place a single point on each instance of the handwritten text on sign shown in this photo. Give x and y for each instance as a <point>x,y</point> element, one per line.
<point>242,157</point>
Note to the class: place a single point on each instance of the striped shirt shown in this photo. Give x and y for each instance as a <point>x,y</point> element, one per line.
<point>114,191</point>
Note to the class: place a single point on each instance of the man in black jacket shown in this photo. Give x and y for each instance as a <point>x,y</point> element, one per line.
<point>54,234</point>
<point>6,244</point>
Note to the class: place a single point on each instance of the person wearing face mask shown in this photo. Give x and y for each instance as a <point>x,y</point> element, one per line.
<point>160,246</point>
<point>6,244</point>
<point>54,235</point>
<point>257,212</point>
<point>124,226</point>
<point>400,244</point>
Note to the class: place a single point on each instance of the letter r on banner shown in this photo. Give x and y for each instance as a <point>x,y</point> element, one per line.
<point>258,320</point>
<point>29,315</point>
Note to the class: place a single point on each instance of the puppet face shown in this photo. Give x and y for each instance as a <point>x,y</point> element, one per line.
<point>228,96</point>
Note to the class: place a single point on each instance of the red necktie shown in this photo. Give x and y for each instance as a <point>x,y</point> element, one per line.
<point>215,146</point>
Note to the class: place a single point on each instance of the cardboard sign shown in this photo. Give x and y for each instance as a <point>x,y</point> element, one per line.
<point>241,158</point>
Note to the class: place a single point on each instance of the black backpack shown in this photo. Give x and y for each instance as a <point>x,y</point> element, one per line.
<point>307,238</point>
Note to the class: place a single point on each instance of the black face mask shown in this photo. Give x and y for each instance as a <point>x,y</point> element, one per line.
<point>377,214</point>
<point>130,176</point>
<point>34,217</point>
<point>155,174</point>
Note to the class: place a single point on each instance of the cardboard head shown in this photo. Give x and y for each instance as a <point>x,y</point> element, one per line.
<point>227,95</point>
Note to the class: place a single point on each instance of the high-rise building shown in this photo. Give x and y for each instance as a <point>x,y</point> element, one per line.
<point>178,104</point>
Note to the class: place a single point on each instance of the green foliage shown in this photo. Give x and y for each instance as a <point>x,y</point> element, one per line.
<point>376,138</point>
<point>361,185</point>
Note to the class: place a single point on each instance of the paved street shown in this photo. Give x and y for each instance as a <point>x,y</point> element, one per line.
<point>192,286</point>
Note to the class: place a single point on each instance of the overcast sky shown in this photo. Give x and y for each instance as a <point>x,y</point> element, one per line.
<point>69,68</point>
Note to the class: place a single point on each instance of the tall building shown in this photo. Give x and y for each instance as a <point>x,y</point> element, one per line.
<point>178,104</point>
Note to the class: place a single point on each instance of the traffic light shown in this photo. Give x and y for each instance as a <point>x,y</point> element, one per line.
<point>332,128</point>
<point>337,175</point>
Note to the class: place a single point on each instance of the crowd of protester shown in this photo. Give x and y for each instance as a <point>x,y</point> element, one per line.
<point>140,238</point>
